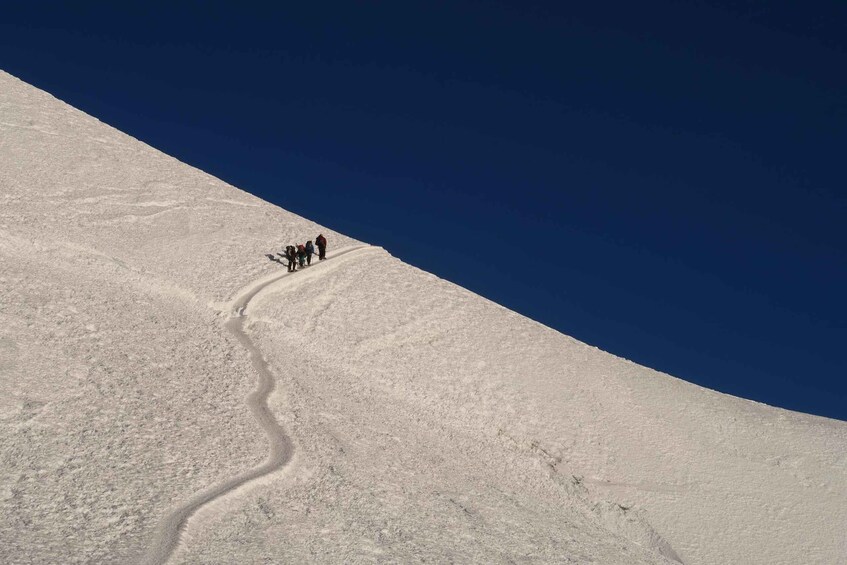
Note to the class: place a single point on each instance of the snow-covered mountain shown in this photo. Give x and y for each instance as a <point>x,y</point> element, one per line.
<point>167,393</point>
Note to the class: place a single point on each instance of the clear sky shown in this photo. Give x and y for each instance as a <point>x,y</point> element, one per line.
<point>664,180</point>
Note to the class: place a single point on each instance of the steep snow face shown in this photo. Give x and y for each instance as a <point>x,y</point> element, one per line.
<point>424,387</point>
<point>426,423</point>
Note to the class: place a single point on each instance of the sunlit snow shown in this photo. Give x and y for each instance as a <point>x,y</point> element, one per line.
<point>167,393</point>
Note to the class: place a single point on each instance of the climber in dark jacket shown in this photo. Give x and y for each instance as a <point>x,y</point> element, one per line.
<point>320,241</point>
<point>310,250</point>
<point>291,255</point>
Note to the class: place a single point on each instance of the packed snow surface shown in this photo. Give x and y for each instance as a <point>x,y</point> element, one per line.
<point>168,394</point>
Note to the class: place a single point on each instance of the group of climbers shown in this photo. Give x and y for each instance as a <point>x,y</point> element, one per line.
<point>302,254</point>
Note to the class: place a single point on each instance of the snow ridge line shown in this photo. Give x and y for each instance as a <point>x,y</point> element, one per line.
<point>169,533</point>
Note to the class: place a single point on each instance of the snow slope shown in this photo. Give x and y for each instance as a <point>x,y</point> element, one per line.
<point>407,419</point>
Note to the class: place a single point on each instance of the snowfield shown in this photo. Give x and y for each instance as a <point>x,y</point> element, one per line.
<point>168,394</point>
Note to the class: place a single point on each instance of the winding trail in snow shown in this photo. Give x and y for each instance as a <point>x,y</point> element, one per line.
<point>170,529</point>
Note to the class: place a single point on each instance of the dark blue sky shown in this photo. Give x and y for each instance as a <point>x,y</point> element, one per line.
<point>664,180</point>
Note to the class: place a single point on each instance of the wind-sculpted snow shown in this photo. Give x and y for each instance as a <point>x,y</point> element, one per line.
<point>428,368</point>
<point>429,424</point>
<point>171,527</point>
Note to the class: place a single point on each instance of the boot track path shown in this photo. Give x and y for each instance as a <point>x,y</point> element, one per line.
<point>168,534</point>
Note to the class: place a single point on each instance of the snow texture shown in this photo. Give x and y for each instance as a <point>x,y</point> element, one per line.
<point>168,394</point>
